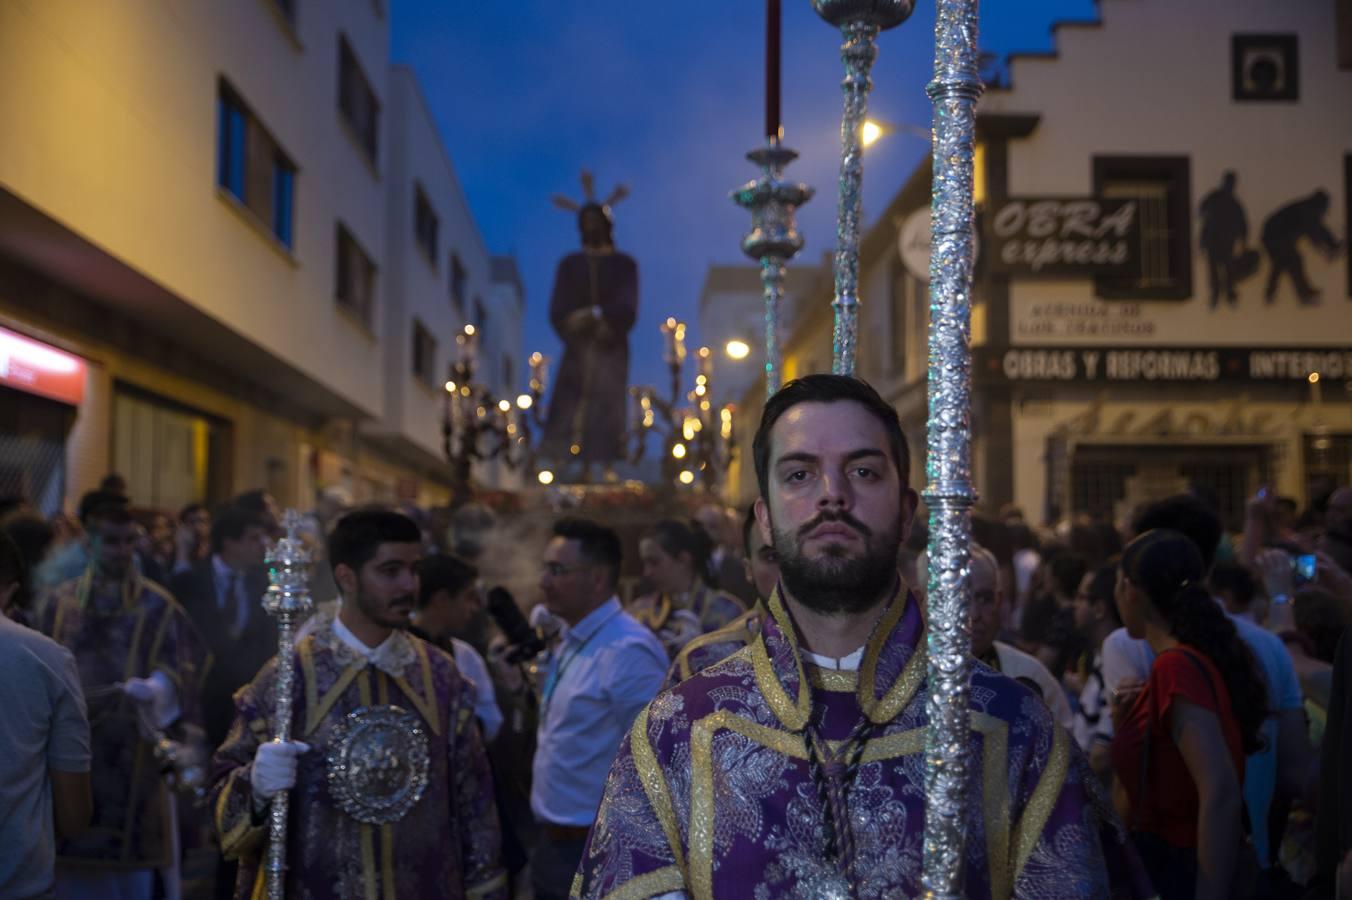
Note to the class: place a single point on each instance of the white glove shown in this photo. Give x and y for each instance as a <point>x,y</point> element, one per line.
<point>157,697</point>
<point>274,768</point>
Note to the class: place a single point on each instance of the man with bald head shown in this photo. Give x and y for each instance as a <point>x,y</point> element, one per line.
<point>988,606</point>
<point>725,563</point>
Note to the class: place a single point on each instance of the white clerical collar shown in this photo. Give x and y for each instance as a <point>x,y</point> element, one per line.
<point>385,657</point>
<point>849,663</point>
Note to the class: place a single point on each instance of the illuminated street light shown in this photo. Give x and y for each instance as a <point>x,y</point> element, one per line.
<point>504,405</point>
<point>678,451</point>
<point>546,477</point>
<point>524,402</point>
<point>1314,378</point>
<point>737,349</point>
<point>687,476</point>
<point>870,133</point>
<point>450,387</point>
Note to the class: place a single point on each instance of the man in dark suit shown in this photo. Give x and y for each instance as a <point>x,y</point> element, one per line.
<point>223,595</point>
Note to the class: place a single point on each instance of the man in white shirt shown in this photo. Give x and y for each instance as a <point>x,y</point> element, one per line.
<point>988,603</point>
<point>604,670</point>
<point>449,595</point>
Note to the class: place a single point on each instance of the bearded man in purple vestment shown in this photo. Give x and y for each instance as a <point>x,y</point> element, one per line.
<point>391,794</point>
<point>795,767</point>
<point>593,308</point>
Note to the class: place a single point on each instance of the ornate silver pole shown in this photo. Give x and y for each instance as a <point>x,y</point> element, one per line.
<point>288,600</point>
<point>859,21</point>
<point>949,494</point>
<point>774,238</point>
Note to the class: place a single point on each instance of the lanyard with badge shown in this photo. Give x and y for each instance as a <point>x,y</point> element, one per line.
<point>565,660</point>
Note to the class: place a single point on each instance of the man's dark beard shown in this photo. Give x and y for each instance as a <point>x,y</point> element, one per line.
<point>835,584</point>
<point>379,614</point>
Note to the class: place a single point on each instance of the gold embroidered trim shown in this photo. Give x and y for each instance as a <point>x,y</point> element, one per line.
<point>650,884</point>
<point>899,695</point>
<point>701,864</point>
<point>135,644</point>
<point>995,794</point>
<point>739,630</point>
<point>646,614</point>
<point>1039,809</point>
<point>655,784</point>
<point>232,837</point>
<point>316,710</point>
<point>904,743</point>
<point>387,860</point>
<point>492,884</point>
<point>425,702</point>
<point>833,680</point>
<point>793,714</point>
<point>368,862</point>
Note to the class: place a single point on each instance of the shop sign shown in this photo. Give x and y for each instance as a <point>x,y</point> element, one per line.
<point>1162,364</point>
<point>1063,236</point>
<point>37,368</point>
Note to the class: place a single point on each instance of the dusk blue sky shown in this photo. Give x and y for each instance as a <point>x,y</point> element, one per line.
<point>666,97</point>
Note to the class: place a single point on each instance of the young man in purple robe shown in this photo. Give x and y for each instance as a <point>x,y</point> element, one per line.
<point>140,663</point>
<point>390,788</point>
<point>795,767</point>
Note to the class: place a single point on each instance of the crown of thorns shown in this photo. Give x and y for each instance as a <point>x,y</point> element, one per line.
<point>589,196</point>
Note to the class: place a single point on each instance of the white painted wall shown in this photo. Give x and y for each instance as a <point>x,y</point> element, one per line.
<point>1155,78</point>
<point>115,104</point>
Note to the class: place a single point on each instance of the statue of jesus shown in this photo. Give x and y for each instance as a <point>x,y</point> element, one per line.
<point>593,308</point>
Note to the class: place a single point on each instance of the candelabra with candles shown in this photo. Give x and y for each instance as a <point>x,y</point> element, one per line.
<point>696,443</point>
<point>476,426</point>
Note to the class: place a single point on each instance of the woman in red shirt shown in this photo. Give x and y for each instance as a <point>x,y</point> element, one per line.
<point>1179,746</point>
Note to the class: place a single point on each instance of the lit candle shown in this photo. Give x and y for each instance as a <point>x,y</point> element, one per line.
<point>539,372</point>
<point>772,41</point>
<point>669,333</point>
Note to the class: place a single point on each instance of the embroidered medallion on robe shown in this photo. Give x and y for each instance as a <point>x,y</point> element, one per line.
<point>447,843</point>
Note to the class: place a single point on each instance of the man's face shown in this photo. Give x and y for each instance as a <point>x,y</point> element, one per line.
<point>199,520</point>
<point>762,567</point>
<point>668,574</point>
<point>835,511</point>
<point>570,585</point>
<point>987,605</point>
<point>386,586</point>
<point>249,550</point>
<point>594,227</point>
<point>112,546</point>
<point>712,520</point>
<point>447,615</point>
<point>162,535</point>
<point>1084,604</point>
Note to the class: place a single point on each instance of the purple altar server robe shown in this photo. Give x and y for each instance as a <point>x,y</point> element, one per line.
<point>115,639</point>
<point>446,846</point>
<point>711,794</point>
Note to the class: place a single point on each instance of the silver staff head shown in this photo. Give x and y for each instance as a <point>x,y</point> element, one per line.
<point>288,562</point>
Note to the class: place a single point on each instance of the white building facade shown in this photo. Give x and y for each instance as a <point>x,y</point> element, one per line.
<point>201,219</point>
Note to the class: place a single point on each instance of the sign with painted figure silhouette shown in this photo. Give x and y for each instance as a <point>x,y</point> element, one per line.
<point>1288,234</point>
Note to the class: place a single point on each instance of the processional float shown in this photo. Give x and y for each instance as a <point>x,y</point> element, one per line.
<point>948,494</point>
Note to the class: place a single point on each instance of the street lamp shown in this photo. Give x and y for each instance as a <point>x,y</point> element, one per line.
<point>873,131</point>
<point>736,349</point>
